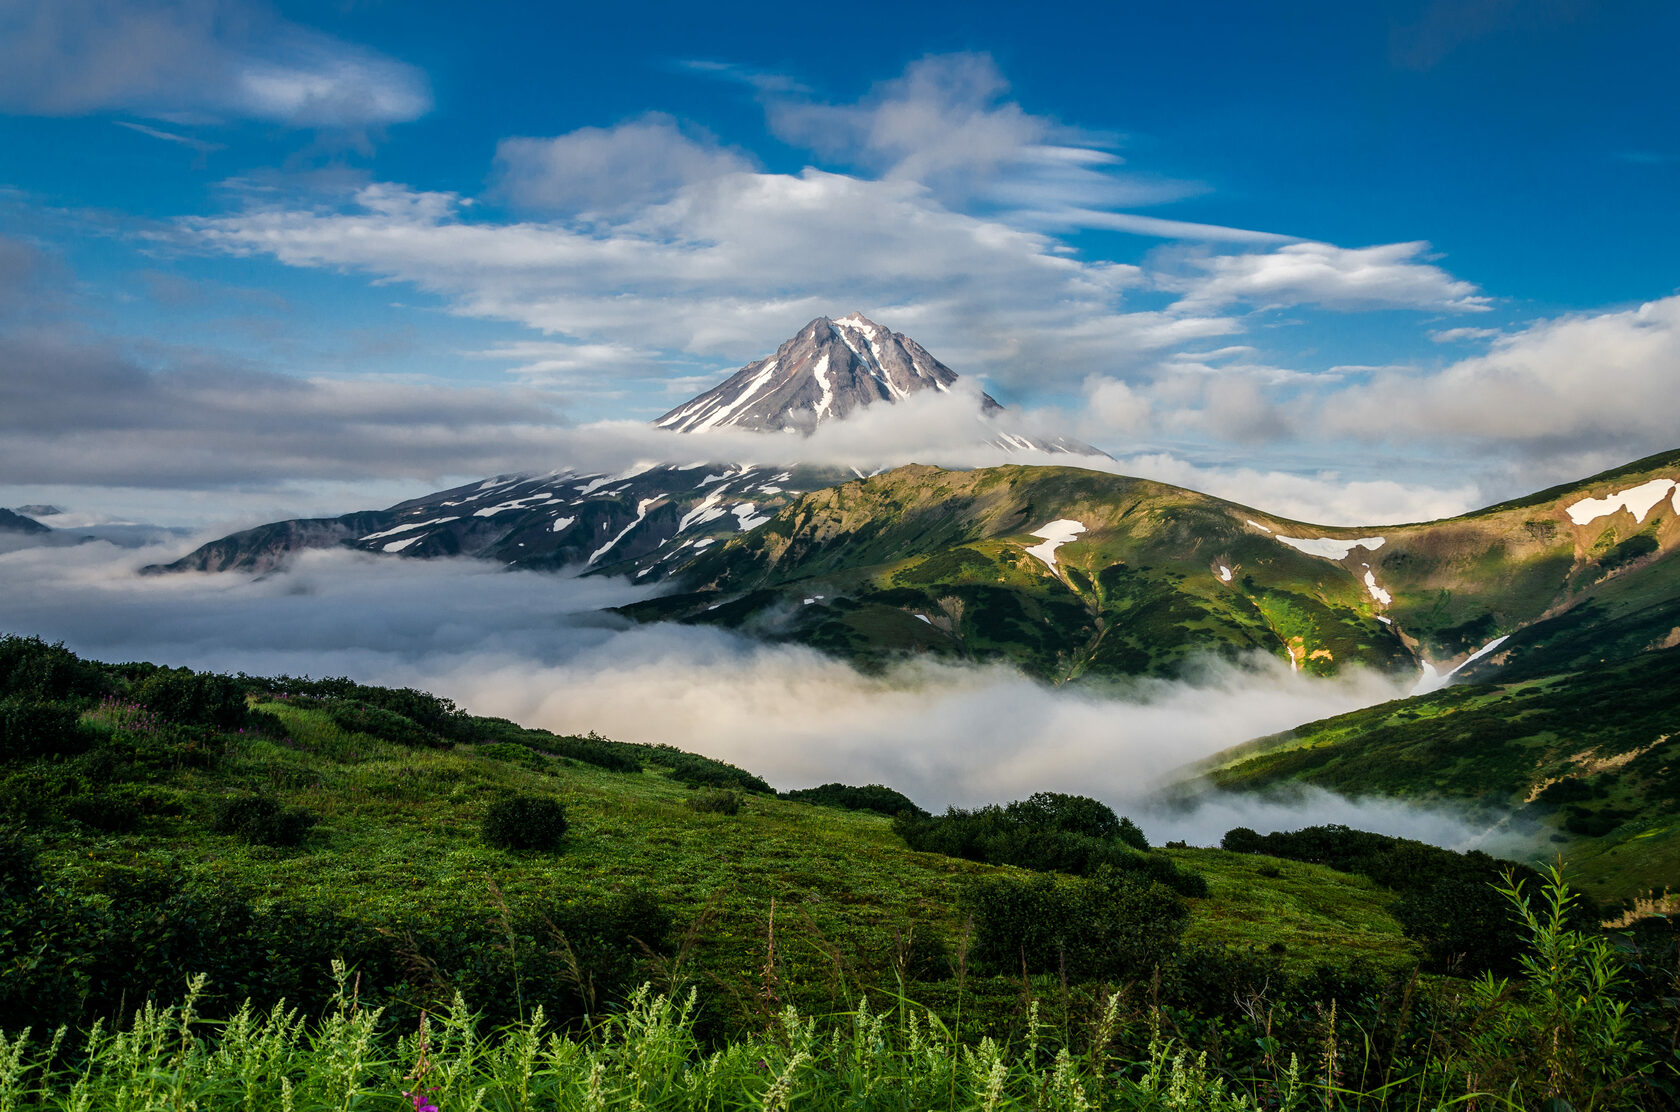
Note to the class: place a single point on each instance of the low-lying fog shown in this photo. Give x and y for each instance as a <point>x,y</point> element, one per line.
<point>538,649</point>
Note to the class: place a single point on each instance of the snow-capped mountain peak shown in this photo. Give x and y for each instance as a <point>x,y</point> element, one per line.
<point>828,370</point>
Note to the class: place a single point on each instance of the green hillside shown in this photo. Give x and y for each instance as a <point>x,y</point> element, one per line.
<point>161,823</point>
<point>920,560</point>
<point>1591,757</point>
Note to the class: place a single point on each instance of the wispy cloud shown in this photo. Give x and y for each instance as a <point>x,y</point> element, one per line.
<point>195,59</point>
<point>202,146</point>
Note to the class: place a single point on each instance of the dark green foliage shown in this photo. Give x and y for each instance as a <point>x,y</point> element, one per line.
<point>20,866</point>
<point>871,797</point>
<point>73,956</point>
<point>432,713</point>
<point>106,811</point>
<point>193,698</point>
<point>722,801</point>
<point>365,718</point>
<point>525,822</point>
<point>615,756</point>
<point>691,768</point>
<point>31,729</point>
<point>1075,814</point>
<point>35,670</point>
<point>1113,925</point>
<point>262,819</point>
<point>1448,900</point>
<point>1634,548</point>
<point>1046,832</point>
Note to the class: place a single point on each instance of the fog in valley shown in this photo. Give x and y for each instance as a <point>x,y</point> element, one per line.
<point>542,650</point>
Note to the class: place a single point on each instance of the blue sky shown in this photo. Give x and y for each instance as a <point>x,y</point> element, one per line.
<point>1386,259</point>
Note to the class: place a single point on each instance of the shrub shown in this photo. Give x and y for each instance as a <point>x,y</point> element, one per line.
<point>365,718</point>
<point>871,797</point>
<point>1113,925</point>
<point>30,729</point>
<point>113,814</point>
<point>1047,832</point>
<point>533,822</point>
<point>20,868</point>
<point>193,698</point>
<point>262,819</point>
<point>722,801</point>
<point>33,669</point>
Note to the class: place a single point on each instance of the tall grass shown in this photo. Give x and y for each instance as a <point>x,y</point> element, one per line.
<point>1541,1046</point>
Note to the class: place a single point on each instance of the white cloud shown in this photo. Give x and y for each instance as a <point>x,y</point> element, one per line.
<point>198,59</point>
<point>732,264</point>
<point>946,125</point>
<point>608,170</point>
<point>1580,381</point>
<point>1392,275</point>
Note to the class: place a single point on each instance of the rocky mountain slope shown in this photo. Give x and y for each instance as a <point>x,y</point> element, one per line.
<point>633,523</point>
<point>11,521</point>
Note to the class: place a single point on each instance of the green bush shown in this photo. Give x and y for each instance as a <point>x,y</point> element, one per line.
<point>20,867</point>
<point>722,801</point>
<point>114,814</point>
<point>530,822</point>
<point>193,698</point>
<point>35,670</point>
<point>262,819</point>
<point>871,797</point>
<point>1048,832</point>
<point>365,718</point>
<point>31,729</point>
<point>1113,925</point>
<point>1449,902</point>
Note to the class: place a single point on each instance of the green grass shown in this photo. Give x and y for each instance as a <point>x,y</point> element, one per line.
<point>398,832</point>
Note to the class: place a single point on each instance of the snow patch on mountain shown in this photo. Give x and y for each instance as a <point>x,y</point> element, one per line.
<point>1377,592</point>
<point>1637,500</point>
<point>1055,534</point>
<point>1330,547</point>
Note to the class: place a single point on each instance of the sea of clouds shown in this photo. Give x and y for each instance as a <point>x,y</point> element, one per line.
<point>545,650</point>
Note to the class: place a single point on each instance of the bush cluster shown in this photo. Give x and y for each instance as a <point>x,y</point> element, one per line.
<point>871,797</point>
<point>1050,832</point>
<point>193,698</point>
<point>262,819</point>
<point>525,822</point>
<point>71,956</point>
<point>386,725</point>
<point>721,801</point>
<point>1448,900</point>
<point>1112,925</point>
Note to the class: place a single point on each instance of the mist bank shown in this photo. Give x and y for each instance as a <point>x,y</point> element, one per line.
<point>542,649</point>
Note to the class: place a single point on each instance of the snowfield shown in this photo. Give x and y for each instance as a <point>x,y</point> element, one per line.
<point>1637,500</point>
<point>1329,547</point>
<point>1055,534</point>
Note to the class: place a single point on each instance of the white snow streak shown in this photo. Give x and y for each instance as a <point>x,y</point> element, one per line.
<point>405,528</point>
<point>398,546</point>
<point>1377,592</point>
<point>641,513</point>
